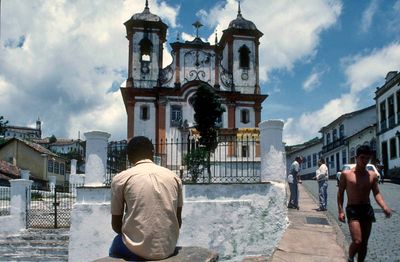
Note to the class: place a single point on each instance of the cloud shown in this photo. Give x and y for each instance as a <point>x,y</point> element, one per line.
<point>368,15</point>
<point>64,60</point>
<point>363,71</point>
<point>288,38</point>
<point>308,124</point>
<point>314,79</point>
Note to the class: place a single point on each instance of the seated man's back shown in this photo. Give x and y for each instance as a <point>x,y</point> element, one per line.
<point>150,196</point>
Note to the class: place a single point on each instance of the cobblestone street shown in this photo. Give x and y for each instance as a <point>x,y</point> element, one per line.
<point>384,242</point>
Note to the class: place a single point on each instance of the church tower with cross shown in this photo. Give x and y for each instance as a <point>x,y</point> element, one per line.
<point>158,100</point>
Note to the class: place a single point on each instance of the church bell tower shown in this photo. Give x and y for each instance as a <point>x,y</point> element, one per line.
<point>146,34</point>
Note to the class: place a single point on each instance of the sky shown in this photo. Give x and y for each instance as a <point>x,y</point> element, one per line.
<point>63,61</point>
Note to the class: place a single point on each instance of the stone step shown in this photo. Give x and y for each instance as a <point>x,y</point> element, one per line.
<point>37,237</point>
<point>35,245</point>
<point>37,250</point>
<point>32,257</point>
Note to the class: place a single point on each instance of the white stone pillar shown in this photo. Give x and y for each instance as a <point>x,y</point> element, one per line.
<point>25,174</point>
<point>20,190</point>
<point>73,166</point>
<point>272,151</point>
<point>96,157</point>
<point>52,183</point>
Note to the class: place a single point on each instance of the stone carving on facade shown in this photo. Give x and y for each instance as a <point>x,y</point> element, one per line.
<point>226,78</point>
<point>166,75</point>
<point>197,66</point>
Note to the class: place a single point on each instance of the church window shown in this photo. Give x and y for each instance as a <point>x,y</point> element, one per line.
<point>245,151</point>
<point>176,115</point>
<point>50,166</point>
<point>244,116</point>
<point>144,112</point>
<point>62,169</point>
<point>145,49</point>
<point>244,57</point>
<point>56,167</point>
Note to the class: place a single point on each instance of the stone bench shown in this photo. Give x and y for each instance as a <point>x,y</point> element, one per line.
<point>184,254</point>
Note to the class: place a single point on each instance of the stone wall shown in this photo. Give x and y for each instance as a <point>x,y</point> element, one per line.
<point>235,220</point>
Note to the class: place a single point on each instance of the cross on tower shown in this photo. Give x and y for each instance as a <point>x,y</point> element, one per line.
<point>197,25</point>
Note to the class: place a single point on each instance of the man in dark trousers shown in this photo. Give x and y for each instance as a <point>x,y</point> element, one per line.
<point>293,179</point>
<point>146,206</point>
<point>358,182</point>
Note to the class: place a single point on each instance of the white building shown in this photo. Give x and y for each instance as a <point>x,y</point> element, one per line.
<point>387,99</point>
<point>25,133</point>
<point>343,135</point>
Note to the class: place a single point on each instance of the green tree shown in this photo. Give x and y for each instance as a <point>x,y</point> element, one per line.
<point>196,162</point>
<point>208,110</point>
<point>3,125</point>
<point>52,139</point>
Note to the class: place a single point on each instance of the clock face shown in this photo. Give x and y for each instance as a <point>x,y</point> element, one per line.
<point>145,69</point>
<point>245,76</point>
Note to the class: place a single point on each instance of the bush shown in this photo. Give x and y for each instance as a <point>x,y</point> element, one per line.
<point>36,196</point>
<point>196,162</point>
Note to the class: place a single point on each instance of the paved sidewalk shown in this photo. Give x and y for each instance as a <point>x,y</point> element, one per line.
<point>311,235</point>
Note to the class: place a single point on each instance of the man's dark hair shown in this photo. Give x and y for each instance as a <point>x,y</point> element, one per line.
<point>363,150</point>
<point>139,148</point>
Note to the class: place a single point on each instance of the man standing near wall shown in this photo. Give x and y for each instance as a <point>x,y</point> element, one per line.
<point>358,183</point>
<point>146,206</point>
<point>322,176</point>
<point>293,180</point>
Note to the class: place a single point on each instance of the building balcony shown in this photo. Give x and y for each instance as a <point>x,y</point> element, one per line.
<point>392,121</point>
<point>383,126</point>
<point>335,144</point>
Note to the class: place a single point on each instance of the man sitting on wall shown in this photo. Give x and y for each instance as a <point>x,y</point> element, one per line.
<point>146,206</point>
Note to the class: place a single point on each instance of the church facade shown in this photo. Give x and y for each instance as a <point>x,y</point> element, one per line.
<point>158,100</point>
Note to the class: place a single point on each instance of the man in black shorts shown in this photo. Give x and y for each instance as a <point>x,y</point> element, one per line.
<point>358,183</point>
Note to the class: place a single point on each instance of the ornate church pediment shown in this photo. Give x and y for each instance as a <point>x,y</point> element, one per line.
<point>197,65</point>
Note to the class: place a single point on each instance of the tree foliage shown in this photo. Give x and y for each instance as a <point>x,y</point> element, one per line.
<point>3,125</point>
<point>208,110</point>
<point>52,139</point>
<point>196,162</point>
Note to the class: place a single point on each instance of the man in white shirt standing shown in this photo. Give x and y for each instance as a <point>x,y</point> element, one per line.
<point>322,176</point>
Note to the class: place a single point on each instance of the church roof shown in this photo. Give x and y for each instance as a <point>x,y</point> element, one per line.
<point>146,15</point>
<point>241,23</point>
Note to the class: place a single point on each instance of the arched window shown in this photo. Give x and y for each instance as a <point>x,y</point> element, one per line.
<point>144,112</point>
<point>244,116</point>
<point>244,57</point>
<point>145,49</point>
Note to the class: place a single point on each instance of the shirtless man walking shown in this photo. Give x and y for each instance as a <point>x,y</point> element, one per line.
<point>358,183</point>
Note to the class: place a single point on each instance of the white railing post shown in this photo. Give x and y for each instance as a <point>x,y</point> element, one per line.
<point>272,151</point>
<point>20,195</point>
<point>96,157</point>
